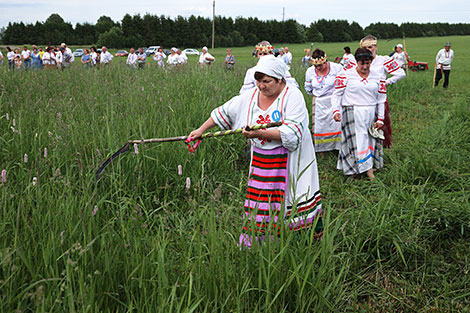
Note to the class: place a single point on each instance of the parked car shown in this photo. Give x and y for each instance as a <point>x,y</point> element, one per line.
<point>167,51</point>
<point>122,53</point>
<point>78,53</point>
<point>191,51</point>
<point>151,50</point>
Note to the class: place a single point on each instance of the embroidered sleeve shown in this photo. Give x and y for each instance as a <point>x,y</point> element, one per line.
<point>382,97</point>
<point>292,129</point>
<point>308,82</point>
<point>223,116</point>
<point>340,86</point>
<point>391,67</point>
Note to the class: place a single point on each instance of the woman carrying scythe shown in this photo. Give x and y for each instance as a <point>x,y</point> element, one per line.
<point>283,180</point>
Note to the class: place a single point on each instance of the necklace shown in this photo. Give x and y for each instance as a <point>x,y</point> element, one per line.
<point>320,81</point>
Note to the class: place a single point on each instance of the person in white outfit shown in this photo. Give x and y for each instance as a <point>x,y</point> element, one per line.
<point>205,58</point>
<point>443,59</point>
<point>400,56</point>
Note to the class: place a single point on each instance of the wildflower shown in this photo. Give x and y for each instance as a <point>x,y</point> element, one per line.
<point>4,176</point>
<point>161,100</point>
<point>36,135</point>
<point>45,153</point>
<point>142,88</point>
<point>12,128</point>
<point>14,122</point>
<point>180,170</point>
<point>188,183</point>
<point>35,180</point>
<point>136,150</point>
<point>25,158</point>
<point>8,117</point>
<point>49,134</point>
<point>95,210</point>
<point>59,115</point>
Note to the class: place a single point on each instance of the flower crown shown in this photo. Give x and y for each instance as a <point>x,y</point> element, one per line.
<point>368,42</point>
<point>319,61</point>
<point>265,49</point>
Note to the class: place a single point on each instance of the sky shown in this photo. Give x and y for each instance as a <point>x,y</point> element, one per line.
<point>305,12</point>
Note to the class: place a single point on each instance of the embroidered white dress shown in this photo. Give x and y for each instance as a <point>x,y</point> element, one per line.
<point>299,196</point>
<point>327,132</point>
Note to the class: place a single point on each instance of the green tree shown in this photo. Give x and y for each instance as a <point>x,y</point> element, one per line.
<point>104,24</point>
<point>112,39</point>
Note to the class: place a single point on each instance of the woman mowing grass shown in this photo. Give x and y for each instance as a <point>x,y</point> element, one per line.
<point>283,180</point>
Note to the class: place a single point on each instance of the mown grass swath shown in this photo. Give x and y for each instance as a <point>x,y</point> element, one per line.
<point>140,241</point>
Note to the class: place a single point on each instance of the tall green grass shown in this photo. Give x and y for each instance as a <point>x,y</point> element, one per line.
<point>139,241</point>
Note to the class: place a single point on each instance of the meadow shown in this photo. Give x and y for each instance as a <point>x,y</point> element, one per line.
<point>141,240</point>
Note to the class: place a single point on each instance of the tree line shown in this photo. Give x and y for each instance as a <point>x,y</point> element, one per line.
<point>195,31</point>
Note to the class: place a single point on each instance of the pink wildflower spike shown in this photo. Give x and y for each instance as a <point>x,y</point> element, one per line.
<point>59,115</point>
<point>35,180</point>
<point>8,117</point>
<point>188,183</point>
<point>180,170</point>
<point>161,100</point>
<point>12,128</point>
<point>136,149</point>
<point>45,153</point>
<point>4,176</point>
<point>142,88</point>
<point>95,210</point>
<point>14,122</point>
<point>25,158</point>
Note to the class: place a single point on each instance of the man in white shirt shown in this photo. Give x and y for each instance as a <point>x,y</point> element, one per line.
<point>26,55</point>
<point>443,59</point>
<point>68,51</point>
<point>205,58</point>
<point>132,59</point>
<point>106,57</point>
<point>288,56</point>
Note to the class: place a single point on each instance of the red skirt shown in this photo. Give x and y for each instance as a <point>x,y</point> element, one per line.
<point>387,127</point>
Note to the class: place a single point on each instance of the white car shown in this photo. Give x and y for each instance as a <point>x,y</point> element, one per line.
<point>151,50</point>
<point>191,52</point>
<point>78,53</point>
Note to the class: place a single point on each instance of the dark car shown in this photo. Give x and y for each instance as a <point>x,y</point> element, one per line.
<point>167,51</point>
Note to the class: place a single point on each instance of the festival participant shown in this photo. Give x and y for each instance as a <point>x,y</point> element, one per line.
<point>347,61</point>
<point>173,57</point>
<point>46,58</point>
<point>205,58</point>
<point>68,57</point>
<point>443,59</point>
<point>159,57</point>
<point>229,60</point>
<point>141,58</point>
<point>86,59</point>
<point>59,57</point>
<point>18,62</point>
<point>283,175</point>
<point>93,56</point>
<point>359,95</point>
<point>288,56</point>
<point>26,55</point>
<point>36,61</point>
<point>105,57</point>
<point>52,52</point>
<point>10,58</point>
<point>306,58</point>
<point>320,83</point>
<point>132,59</point>
<point>1,58</point>
<point>282,56</point>
<point>400,56</point>
<point>263,48</point>
<point>182,58</point>
<point>383,65</point>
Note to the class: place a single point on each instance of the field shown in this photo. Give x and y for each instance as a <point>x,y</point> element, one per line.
<point>141,240</point>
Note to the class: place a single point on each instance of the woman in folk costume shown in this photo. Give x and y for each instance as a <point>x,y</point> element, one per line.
<point>320,83</point>
<point>360,95</point>
<point>263,48</point>
<point>383,65</point>
<point>283,179</point>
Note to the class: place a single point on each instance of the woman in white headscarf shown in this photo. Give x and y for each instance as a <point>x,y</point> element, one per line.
<point>283,180</point>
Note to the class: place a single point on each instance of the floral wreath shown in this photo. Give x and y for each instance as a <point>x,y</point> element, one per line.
<point>368,42</point>
<point>318,61</point>
<point>265,49</point>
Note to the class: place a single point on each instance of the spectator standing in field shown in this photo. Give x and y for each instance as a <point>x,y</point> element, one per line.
<point>52,51</point>
<point>36,61</point>
<point>98,58</point>
<point>205,58</point>
<point>288,56</point>
<point>348,60</point>
<point>159,57</point>
<point>105,57</point>
<point>10,58</point>
<point>46,58</point>
<point>383,65</point>
<point>1,58</point>
<point>182,58</point>
<point>173,57</point>
<point>141,58</point>
<point>86,59</point>
<point>263,48</point>
<point>283,178</point>
<point>443,59</point>
<point>67,57</point>
<point>18,62</point>
<point>93,56</point>
<point>59,57</point>
<point>400,56</point>
<point>229,60</point>
<point>26,55</point>
<point>306,58</point>
<point>320,83</point>
<point>358,102</point>
<point>131,59</point>
<point>283,57</point>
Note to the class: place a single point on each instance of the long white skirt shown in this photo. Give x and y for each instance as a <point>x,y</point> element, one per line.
<point>327,132</point>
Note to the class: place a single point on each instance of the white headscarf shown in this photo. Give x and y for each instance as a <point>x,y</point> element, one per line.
<point>205,48</point>
<point>271,66</point>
